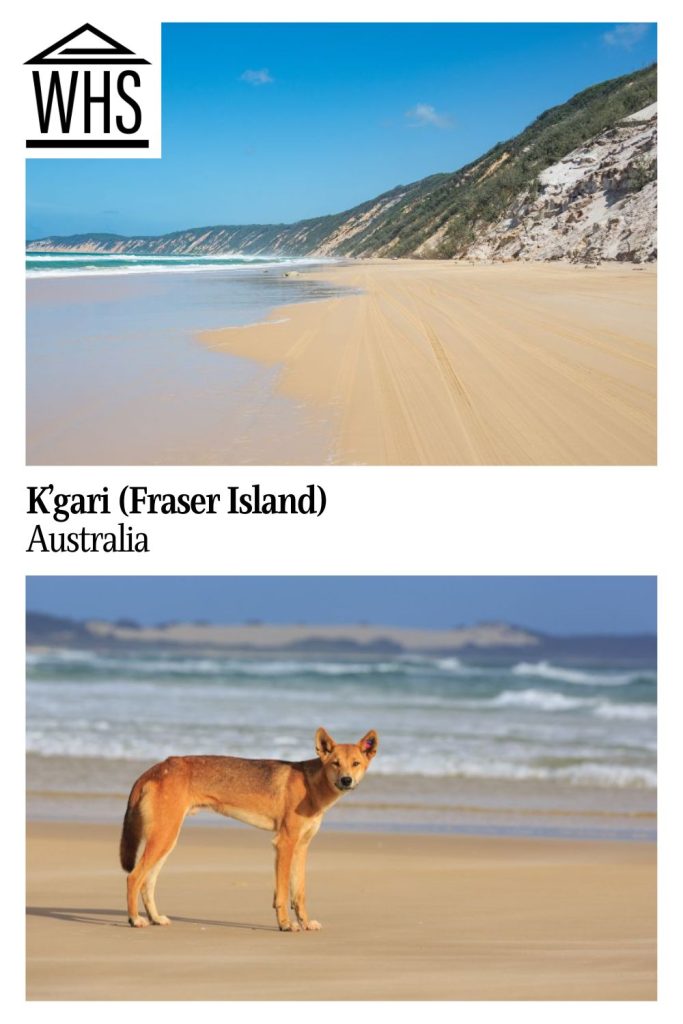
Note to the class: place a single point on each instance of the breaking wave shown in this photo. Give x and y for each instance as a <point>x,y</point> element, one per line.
<point>80,264</point>
<point>579,726</point>
<point>577,677</point>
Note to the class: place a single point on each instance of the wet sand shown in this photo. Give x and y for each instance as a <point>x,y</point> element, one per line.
<point>404,917</point>
<point>115,375</point>
<point>444,363</point>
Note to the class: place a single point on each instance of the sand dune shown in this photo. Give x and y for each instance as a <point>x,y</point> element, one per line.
<point>276,637</point>
<point>404,917</point>
<point>444,363</point>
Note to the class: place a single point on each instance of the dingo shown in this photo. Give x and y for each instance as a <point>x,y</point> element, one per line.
<point>288,798</point>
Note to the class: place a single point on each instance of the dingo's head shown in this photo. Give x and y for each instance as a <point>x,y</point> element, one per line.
<point>345,764</point>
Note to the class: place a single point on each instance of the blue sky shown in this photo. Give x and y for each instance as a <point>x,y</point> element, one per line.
<point>552,604</point>
<point>271,123</point>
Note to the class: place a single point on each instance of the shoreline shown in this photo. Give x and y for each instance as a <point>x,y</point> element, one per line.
<point>95,792</point>
<point>373,819</point>
<point>436,362</point>
<point>150,264</point>
<point>404,917</point>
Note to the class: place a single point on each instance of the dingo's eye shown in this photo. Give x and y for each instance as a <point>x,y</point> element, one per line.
<point>355,764</point>
<point>336,764</point>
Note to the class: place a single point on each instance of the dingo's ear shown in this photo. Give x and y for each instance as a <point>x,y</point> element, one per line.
<point>324,744</point>
<point>369,744</point>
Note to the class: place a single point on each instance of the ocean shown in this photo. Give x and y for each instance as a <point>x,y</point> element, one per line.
<point>40,264</point>
<point>523,745</point>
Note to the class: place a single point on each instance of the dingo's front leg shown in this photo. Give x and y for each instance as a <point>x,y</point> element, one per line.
<point>299,886</point>
<point>284,849</point>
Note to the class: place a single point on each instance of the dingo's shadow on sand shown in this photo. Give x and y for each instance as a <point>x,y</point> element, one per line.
<point>119,918</point>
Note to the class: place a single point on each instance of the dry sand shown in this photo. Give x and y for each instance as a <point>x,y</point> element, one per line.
<point>404,917</point>
<point>445,363</point>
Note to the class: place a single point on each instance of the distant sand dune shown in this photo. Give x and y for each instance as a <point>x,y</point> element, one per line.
<point>276,637</point>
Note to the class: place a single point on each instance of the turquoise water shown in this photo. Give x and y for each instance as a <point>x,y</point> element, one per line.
<point>39,264</point>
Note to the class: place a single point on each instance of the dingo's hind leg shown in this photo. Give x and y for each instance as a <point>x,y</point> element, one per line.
<point>147,891</point>
<point>143,878</point>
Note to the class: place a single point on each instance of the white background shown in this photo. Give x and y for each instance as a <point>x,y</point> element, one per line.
<point>380,520</point>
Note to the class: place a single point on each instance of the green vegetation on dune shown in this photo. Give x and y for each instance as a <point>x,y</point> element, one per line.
<point>464,201</point>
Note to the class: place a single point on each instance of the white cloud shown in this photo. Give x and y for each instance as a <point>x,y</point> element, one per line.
<point>260,77</point>
<point>626,36</point>
<point>423,115</point>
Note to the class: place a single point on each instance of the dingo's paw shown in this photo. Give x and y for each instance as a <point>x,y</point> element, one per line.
<point>162,919</point>
<point>138,922</point>
<point>313,926</point>
<point>290,926</point>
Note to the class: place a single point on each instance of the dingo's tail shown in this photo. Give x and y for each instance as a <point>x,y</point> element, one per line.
<point>133,827</point>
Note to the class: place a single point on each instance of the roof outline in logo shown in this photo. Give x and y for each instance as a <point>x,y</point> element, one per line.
<point>113,53</point>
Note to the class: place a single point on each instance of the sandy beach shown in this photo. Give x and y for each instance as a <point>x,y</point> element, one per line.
<point>404,917</point>
<point>444,363</point>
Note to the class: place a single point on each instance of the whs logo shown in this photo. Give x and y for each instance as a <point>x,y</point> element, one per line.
<point>90,95</point>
